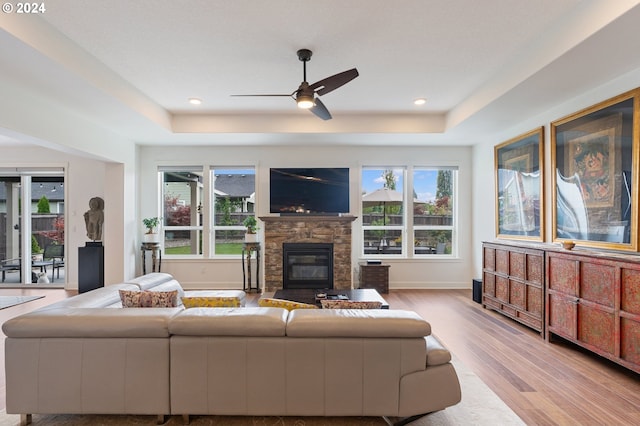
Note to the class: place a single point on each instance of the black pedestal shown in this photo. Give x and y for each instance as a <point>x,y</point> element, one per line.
<point>477,290</point>
<point>90,267</point>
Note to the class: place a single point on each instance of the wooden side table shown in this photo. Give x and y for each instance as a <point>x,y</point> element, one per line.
<point>156,256</point>
<point>247,249</point>
<point>374,276</point>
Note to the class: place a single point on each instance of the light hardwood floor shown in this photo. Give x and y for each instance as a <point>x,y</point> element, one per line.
<point>544,383</point>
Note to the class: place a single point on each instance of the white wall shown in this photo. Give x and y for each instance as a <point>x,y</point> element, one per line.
<point>227,273</point>
<point>98,163</point>
<point>483,160</point>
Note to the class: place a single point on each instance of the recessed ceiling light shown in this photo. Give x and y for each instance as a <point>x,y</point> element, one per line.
<point>420,101</point>
<point>195,101</point>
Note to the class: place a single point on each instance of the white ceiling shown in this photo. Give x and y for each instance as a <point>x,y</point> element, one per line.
<point>131,65</point>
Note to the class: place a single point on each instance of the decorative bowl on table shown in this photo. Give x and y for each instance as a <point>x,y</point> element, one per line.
<point>568,245</point>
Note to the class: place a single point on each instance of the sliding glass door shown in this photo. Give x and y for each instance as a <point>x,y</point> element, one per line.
<point>33,229</point>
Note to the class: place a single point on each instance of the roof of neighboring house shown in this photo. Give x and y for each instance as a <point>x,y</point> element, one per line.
<point>40,189</point>
<point>235,185</point>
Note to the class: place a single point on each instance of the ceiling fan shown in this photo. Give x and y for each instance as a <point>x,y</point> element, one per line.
<point>306,95</point>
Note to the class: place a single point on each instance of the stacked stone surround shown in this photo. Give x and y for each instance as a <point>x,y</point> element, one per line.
<point>307,229</point>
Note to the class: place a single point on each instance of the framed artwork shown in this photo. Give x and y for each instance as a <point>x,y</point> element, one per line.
<point>519,165</point>
<point>594,169</point>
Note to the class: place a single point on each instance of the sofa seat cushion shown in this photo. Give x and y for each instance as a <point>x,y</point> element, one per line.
<point>91,322</point>
<point>211,302</point>
<point>286,304</point>
<point>356,323</point>
<point>252,321</point>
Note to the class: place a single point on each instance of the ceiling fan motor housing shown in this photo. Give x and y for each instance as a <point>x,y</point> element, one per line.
<point>304,55</point>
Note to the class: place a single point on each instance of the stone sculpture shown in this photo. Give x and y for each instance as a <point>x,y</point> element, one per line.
<point>94,218</point>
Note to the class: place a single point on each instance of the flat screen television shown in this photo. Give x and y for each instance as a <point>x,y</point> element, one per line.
<point>309,191</point>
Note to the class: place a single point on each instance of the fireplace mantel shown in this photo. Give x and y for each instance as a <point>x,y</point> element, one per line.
<point>307,229</point>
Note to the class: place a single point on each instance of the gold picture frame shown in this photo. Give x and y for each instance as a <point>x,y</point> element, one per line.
<point>519,166</point>
<point>594,174</point>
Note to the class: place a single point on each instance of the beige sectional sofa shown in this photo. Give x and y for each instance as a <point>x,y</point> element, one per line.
<point>85,355</point>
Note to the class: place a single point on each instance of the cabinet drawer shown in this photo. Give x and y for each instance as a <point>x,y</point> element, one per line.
<point>376,274</point>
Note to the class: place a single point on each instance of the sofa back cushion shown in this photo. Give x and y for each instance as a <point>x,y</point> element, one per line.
<point>145,282</point>
<point>91,323</point>
<point>101,297</point>
<point>252,321</point>
<point>356,323</point>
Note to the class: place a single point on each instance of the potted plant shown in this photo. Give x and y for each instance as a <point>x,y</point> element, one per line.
<point>251,224</point>
<point>151,223</point>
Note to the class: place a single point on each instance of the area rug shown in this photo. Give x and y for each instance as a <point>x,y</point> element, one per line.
<point>480,406</point>
<point>9,301</point>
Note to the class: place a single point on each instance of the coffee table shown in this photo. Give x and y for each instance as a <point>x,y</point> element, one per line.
<point>309,295</point>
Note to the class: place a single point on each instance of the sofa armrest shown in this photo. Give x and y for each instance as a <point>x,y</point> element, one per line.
<point>437,354</point>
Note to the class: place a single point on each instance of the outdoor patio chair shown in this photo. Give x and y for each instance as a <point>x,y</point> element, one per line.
<point>9,265</point>
<point>54,253</point>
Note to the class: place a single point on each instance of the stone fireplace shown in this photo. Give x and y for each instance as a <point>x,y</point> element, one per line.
<point>335,230</point>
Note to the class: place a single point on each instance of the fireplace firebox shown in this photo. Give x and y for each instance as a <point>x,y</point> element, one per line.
<point>307,265</point>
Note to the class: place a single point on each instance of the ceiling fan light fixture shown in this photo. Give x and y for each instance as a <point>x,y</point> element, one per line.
<point>305,101</point>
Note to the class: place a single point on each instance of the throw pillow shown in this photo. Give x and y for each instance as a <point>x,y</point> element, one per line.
<point>211,302</point>
<point>286,304</point>
<point>149,299</point>
<point>349,304</point>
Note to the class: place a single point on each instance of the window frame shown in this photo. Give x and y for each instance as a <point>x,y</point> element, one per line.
<point>199,228</point>
<point>214,228</point>
<point>454,212</point>
<point>402,228</point>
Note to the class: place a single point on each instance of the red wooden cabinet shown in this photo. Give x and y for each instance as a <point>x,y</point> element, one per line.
<point>513,282</point>
<point>593,300</point>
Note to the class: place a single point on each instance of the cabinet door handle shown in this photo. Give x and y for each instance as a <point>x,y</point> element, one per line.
<point>576,301</point>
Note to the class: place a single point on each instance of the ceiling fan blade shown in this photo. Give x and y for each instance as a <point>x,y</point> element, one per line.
<point>289,95</point>
<point>320,110</point>
<point>332,83</point>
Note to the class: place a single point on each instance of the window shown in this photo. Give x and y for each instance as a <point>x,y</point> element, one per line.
<point>203,214</point>
<point>433,210</point>
<point>429,222</point>
<point>233,200</point>
<point>182,190</point>
<point>383,220</point>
